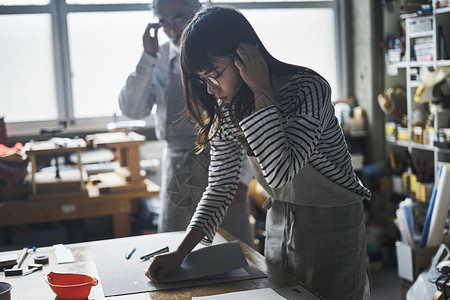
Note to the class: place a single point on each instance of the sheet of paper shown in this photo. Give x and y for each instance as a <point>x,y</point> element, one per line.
<point>63,254</point>
<point>212,260</point>
<point>261,294</point>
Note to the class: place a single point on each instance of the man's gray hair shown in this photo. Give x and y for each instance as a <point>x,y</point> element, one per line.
<point>193,4</point>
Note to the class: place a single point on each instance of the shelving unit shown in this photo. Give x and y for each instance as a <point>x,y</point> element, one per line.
<point>399,73</point>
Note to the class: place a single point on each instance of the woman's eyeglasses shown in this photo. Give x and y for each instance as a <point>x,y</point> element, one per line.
<point>210,79</point>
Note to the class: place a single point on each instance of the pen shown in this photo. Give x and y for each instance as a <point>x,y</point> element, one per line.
<point>128,255</point>
<point>156,252</point>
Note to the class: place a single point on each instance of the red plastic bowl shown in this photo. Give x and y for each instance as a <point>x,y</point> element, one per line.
<point>69,285</point>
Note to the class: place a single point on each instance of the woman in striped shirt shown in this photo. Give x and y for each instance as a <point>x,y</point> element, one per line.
<point>281,116</point>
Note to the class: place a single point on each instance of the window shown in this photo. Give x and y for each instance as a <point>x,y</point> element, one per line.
<point>104,49</point>
<point>27,75</point>
<point>288,40</point>
<point>68,60</point>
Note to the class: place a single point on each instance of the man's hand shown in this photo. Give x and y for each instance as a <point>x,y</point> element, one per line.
<point>150,39</point>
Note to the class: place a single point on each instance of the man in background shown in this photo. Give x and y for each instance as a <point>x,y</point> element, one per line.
<point>157,81</point>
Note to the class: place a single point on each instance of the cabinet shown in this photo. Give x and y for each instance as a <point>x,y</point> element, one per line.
<point>424,39</point>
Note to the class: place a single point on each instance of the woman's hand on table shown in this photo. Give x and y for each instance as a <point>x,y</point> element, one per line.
<point>163,264</point>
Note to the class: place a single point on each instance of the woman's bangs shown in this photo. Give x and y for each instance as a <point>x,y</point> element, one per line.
<point>195,60</point>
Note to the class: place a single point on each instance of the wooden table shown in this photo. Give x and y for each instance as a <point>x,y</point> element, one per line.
<point>117,204</point>
<point>34,287</point>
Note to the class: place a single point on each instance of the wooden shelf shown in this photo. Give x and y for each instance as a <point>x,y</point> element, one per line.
<point>419,34</point>
<point>430,28</point>
<point>442,10</point>
<point>443,62</point>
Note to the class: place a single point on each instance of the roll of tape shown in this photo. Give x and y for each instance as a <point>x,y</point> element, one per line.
<point>42,259</point>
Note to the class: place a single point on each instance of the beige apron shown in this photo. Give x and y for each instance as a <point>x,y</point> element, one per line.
<point>184,179</point>
<point>316,231</point>
<point>184,175</point>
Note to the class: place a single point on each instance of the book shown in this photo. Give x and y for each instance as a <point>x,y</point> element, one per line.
<point>407,207</point>
<point>403,227</point>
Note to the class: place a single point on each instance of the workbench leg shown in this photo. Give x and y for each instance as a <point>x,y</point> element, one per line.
<point>123,153</point>
<point>33,174</point>
<point>121,224</point>
<point>133,159</point>
<point>80,169</point>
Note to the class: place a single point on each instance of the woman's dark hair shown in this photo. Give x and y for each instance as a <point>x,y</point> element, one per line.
<point>216,31</point>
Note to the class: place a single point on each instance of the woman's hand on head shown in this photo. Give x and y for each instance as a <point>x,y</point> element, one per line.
<point>254,71</point>
<point>163,264</point>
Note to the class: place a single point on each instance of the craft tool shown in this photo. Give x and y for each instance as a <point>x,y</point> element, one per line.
<point>129,253</point>
<point>32,268</point>
<point>41,259</point>
<point>16,270</point>
<point>153,253</point>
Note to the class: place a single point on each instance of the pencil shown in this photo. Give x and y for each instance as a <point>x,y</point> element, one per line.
<point>153,253</point>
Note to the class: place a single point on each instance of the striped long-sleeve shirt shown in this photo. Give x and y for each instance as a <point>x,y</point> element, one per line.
<point>302,129</point>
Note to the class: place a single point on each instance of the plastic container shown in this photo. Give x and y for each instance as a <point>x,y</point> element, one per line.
<point>70,285</point>
<point>5,291</point>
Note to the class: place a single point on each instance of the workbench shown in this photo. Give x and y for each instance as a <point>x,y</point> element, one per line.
<point>118,204</point>
<point>33,149</point>
<point>34,287</point>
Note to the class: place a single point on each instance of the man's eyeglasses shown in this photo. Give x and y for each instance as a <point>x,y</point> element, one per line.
<point>210,79</point>
<point>177,22</point>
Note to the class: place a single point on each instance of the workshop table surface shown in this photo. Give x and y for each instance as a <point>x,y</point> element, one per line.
<point>33,286</point>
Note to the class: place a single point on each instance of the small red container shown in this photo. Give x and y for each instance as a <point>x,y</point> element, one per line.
<point>69,285</point>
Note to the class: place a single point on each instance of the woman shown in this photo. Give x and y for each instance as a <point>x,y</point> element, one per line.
<point>243,99</point>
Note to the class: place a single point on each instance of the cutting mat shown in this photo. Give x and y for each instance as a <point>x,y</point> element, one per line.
<point>119,276</point>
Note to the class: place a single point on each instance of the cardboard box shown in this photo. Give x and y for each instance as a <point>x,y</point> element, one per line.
<point>405,285</point>
<point>413,183</point>
<point>402,134</point>
<point>409,183</point>
<point>423,191</point>
<point>421,25</point>
<point>418,134</point>
<point>394,55</point>
<point>429,136</point>
<point>412,261</point>
<point>397,185</point>
<point>389,128</point>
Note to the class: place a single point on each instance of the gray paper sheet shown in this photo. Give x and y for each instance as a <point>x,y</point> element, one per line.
<point>119,276</point>
<point>212,260</point>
